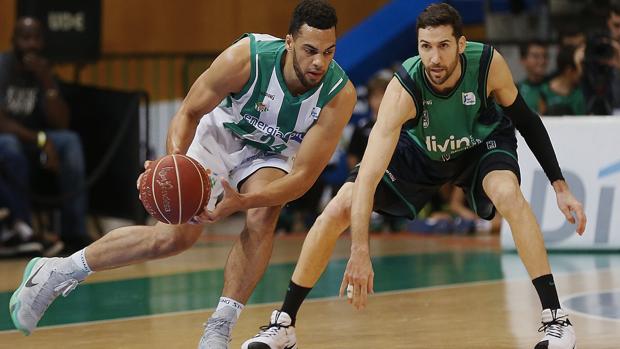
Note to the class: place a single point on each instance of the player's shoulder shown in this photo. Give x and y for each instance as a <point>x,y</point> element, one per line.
<point>346,93</point>
<point>411,63</point>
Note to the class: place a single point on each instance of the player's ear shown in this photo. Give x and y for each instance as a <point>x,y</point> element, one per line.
<point>288,41</point>
<point>462,42</point>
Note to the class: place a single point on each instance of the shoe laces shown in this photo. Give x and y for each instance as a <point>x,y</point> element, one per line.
<point>47,295</point>
<point>271,330</point>
<point>66,287</point>
<point>555,327</point>
<point>218,327</point>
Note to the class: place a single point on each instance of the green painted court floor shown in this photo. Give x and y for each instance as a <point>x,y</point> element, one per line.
<point>201,290</point>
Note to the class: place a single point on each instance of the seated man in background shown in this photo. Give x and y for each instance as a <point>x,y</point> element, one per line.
<point>563,95</point>
<point>535,59</point>
<point>33,127</point>
<point>17,237</point>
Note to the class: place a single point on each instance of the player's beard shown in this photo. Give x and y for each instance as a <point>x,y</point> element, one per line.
<point>300,73</point>
<point>448,69</point>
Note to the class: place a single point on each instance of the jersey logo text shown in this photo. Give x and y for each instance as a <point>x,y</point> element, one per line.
<point>469,98</point>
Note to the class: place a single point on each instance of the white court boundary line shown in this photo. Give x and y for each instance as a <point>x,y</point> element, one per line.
<point>332,298</point>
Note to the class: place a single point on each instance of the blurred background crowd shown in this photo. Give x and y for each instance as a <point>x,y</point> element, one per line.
<point>86,95</point>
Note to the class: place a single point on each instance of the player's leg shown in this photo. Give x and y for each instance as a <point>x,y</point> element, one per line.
<point>502,188</point>
<point>46,278</point>
<point>315,253</point>
<point>246,264</point>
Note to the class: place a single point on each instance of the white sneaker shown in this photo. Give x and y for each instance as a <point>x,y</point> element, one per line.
<point>559,332</point>
<point>44,280</point>
<point>279,334</point>
<point>218,329</point>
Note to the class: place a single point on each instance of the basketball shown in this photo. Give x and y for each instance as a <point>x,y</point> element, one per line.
<point>174,189</point>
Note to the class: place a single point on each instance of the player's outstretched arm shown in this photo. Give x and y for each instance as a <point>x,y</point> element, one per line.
<point>501,85</point>
<point>316,149</point>
<point>227,74</point>
<point>396,108</point>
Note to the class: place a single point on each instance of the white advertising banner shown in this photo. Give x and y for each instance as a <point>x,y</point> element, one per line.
<point>588,150</point>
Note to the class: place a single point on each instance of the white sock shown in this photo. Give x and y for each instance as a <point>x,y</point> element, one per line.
<point>226,302</point>
<point>80,261</point>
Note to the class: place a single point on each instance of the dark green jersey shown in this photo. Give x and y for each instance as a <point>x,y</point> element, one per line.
<point>530,93</point>
<point>447,124</point>
<point>572,104</point>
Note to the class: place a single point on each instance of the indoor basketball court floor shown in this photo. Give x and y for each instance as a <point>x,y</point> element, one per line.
<point>431,292</point>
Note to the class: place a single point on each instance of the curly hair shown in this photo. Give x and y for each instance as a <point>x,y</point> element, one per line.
<point>318,14</point>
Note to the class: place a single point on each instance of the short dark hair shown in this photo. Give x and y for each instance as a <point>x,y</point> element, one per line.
<point>379,82</point>
<point>318,14</point>
<point>614,8</point>
<point>524,48</point>
<point>440,14</point>
<point>565,58</point>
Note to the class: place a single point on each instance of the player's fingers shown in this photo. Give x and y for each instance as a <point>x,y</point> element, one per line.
<point>371,284</point>
<point>343,285</point>
<point>227,187</point>
<point>357,295</point>
<point>363,295</point>
<point>581,218</point>
<point>568,215</point>
<point>147,163</point>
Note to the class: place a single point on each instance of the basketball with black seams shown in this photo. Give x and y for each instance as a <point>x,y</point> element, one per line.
<point>175,188</point>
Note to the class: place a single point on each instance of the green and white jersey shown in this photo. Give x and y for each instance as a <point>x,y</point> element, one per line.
<point>447,124</point>
<point>265,114</point>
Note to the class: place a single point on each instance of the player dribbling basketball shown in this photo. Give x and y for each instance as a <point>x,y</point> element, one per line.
<point>283,100</point>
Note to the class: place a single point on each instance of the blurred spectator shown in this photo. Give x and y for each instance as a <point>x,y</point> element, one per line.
<point>563,95</point>
<point>613,27</point>
<point>17,237</point>
<point>466,220</point>
<point>613,21</point>
<point>448,213</point>
<point>535,59</point>
<point>572,36</point>
<point>33,127</point>
<point>376,88</point>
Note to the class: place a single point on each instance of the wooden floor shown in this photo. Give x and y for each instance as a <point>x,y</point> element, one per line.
<point>456,292</point>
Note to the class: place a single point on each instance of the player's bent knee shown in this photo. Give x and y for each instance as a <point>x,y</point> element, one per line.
<point>169,240</point>
<point>262,220</point>
<point>506,197</point>
<point>340,207</point>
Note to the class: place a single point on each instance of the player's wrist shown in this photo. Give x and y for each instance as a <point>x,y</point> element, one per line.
<point>560,186</point>
<point>360,248</point>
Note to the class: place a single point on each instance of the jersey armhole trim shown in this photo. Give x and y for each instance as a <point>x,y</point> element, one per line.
<point>409,85</point>
<point>253,64</point>
<point>483,73</point>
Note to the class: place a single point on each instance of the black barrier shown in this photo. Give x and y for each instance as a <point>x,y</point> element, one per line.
<point>114,137</point>
<point>72,27</point>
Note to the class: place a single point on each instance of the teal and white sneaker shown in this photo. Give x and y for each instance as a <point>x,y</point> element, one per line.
<point>44,280</point>
<point>279,334</point>
<point>218,329</point>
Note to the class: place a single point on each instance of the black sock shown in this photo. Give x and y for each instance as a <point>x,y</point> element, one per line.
<point>295,295</point>
<point>545,286</point>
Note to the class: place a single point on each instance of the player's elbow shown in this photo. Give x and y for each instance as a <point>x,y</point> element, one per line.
<point>305,182</point>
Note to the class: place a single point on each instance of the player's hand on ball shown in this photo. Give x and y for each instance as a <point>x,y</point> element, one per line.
<point>231,203</point>
<point>147,163</point>
<point>359,276</point>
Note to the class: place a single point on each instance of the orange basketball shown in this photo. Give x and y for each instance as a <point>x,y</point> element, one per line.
<point>174,189</point>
